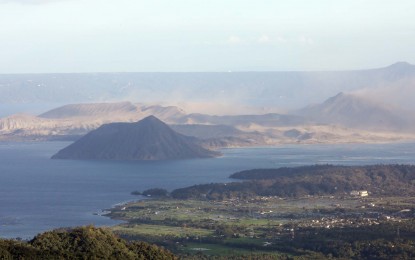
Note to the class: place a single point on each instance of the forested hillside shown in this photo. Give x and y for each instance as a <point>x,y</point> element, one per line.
<point>310,180</point>
<point>80,243</point>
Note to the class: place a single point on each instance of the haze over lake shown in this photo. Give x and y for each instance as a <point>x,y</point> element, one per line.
<point>38,194</point>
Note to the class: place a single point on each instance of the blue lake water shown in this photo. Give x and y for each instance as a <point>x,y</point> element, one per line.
<point>39,194</point>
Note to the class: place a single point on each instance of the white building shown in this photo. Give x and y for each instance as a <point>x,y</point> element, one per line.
<point>359,193</point>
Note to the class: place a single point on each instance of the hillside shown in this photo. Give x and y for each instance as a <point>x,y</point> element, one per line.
<point>340,119</point>
<point>110,112</point>
<point>310,180</point>
<point>268,120</point>
<point>80,243</point>
<point>74,120</point>
<point>148,139</point>
<point>357,112</point>
<point>90,110</point>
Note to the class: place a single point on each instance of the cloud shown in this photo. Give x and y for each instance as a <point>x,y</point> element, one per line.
<point>234,40</point>
<point>281,39</point>
<point>30,2</point>
<point>306,40</point>
<point>264,39</point>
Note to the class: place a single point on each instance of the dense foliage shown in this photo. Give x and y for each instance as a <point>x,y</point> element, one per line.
<point>156,192</point>
<point>80,243</point>
<point>392,240</point>
<point>309,180</point>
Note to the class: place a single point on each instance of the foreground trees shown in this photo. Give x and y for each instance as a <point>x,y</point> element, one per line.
<point>80,243</point>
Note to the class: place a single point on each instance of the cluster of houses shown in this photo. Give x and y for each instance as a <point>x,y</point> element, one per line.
<point>359,193</point>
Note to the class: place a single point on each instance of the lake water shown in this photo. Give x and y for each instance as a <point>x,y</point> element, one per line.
<point>39,194</point>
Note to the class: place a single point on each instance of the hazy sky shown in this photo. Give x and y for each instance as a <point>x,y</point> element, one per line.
<point>203,35</point>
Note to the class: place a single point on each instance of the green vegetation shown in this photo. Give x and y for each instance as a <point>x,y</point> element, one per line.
<point>286,213</point>
<point>267,227</point>
<point>80,243</point>
<point>160,230</point>
<point>246,220</point>
<point>155,192</point>
<point>309,180</point>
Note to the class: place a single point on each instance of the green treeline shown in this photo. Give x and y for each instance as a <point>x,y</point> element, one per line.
<point>80,243</point>
<point>388,240</point>
<point>309,180</point>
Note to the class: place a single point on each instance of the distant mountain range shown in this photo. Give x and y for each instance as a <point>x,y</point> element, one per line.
<point>361,113</point>
<point>342,118</point>
<point>78,119</point>
<point>148,139</point>
<point>366,106</point>
<point>266,91</point>
<point>122,110</point>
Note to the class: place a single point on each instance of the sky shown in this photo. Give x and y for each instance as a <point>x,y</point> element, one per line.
<point>51,36</point>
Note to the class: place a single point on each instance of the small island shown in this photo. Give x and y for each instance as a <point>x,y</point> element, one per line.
<point>148,139</point>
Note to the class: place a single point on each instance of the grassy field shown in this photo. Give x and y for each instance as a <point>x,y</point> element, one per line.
<point>161,230</point>
<point>220,250</point>
<point>239,227</point>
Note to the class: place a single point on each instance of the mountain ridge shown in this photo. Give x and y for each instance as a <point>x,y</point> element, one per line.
<point>215,131</point>
<point>275,89</point>
<point>147,139</point>
<point>88,109</point>
<point>357,112</point>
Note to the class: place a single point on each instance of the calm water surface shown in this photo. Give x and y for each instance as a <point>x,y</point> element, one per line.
<point>39,194</point>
